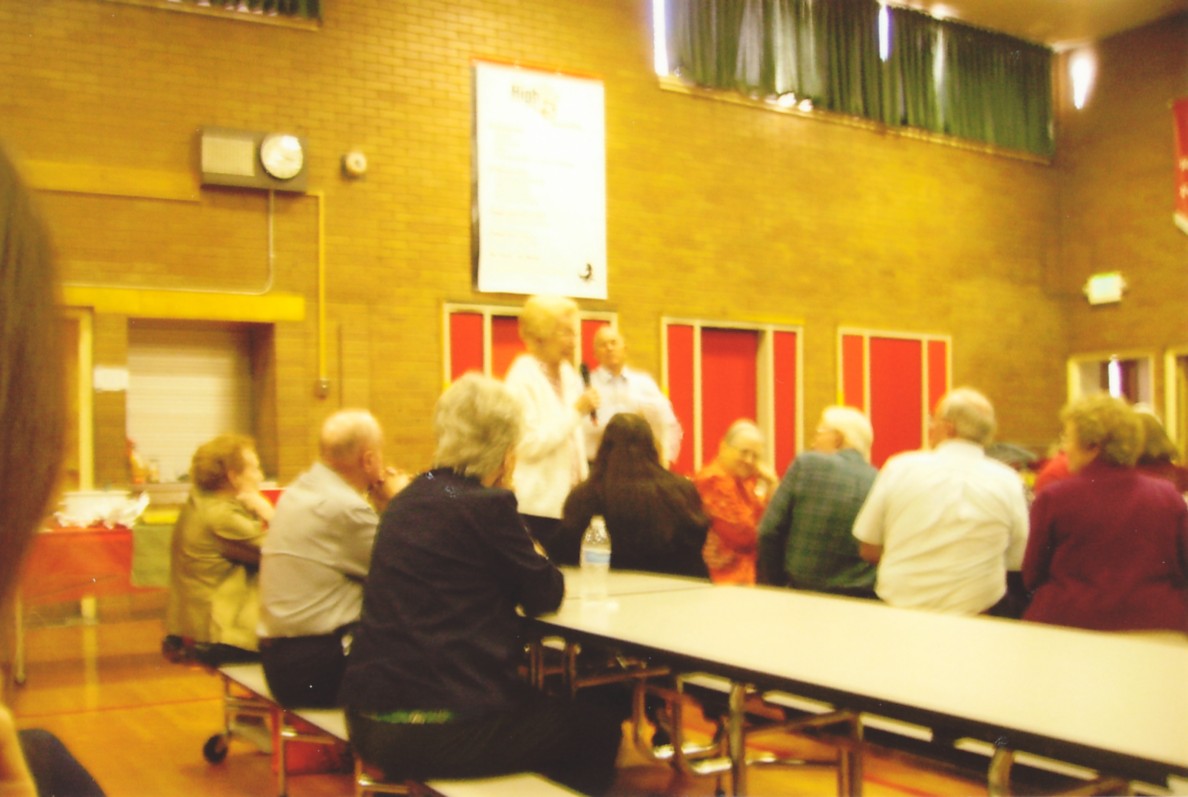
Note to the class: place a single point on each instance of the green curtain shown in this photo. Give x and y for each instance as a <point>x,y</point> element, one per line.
<point>911,95</point>
<point>304,9</point>
<point>940,76</point>
<point>757,47</point>
<point>854,74</point>
<point>996,89</point>
<point>795,33</point>
<point>706,34</point>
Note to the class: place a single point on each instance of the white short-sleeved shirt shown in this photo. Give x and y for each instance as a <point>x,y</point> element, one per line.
<point>951,522</point>
<point>315,556</point>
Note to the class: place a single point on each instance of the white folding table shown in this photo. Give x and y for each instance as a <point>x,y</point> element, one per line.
<point>1114,703</point>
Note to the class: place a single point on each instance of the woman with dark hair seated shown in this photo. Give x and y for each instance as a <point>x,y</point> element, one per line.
<point>654,517</point>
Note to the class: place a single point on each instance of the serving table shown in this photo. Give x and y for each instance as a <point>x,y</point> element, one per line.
<point>67,565</point>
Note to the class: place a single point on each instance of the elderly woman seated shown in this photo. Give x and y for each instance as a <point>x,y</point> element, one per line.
<point>432,687</point>
<point>735,488</point>
<point>213,599</point>
<point>1108,548</point>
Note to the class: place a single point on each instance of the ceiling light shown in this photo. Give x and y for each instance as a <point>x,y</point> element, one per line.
<point>1082,68</point>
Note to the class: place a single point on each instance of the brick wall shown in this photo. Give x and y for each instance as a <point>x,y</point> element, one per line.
<point>714,210</point>
<point>1117,197</point>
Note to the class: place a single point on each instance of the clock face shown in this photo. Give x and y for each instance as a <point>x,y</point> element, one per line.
<point>281,155</point>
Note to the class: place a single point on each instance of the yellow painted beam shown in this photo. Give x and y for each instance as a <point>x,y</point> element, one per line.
<point>194,305</point>
<point>82,178</point>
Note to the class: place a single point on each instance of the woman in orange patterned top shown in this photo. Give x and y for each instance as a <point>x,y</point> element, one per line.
<point>734,491</point>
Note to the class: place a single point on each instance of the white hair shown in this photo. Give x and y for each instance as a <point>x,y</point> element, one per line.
<point>740,427</point>
<point>971,414</point>
<point>477,421</point>
<point>347,433</point>
<point>541,315</point>
<point>853,426</point>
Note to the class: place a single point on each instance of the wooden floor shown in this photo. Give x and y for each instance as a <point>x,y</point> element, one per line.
<point>139,723</point>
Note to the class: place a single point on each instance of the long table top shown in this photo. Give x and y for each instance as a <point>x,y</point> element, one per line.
<point>632,582</point>
<point>1107,701</point>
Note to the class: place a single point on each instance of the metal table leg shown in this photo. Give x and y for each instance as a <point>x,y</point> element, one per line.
<point>849,760</point>
<point>737,739</point>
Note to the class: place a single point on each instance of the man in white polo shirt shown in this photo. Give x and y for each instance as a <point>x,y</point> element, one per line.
<point>945,525</point>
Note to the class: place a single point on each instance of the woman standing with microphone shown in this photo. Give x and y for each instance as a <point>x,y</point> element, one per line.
<point>551,455</point>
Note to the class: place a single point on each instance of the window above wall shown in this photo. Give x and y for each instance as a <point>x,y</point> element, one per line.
<point>881,65</point>
<point>286,13</point>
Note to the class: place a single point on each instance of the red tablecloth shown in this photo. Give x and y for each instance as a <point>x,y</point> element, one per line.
<point>69,564</point>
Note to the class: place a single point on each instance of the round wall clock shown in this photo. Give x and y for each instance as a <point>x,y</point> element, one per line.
<point>282,155</point>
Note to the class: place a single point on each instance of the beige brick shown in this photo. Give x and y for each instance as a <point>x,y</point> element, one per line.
<point>714,210</point>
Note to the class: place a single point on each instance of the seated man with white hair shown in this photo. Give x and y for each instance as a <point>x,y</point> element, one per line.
<point>945,525</point>
<point>805,538</point>
<point>315,557</point>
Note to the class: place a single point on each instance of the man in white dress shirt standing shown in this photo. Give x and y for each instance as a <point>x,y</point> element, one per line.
<point>625,389</point>
<point>945,525</point>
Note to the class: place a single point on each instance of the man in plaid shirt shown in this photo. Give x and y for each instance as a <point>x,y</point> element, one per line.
<point>805,538</point>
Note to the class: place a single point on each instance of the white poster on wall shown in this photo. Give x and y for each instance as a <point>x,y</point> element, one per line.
<point>540,183</point>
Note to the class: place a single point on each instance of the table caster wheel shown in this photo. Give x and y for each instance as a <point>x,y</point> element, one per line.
<point>215,749</point>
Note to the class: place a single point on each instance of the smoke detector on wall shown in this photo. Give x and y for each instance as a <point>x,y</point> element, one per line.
<point>354,164</point>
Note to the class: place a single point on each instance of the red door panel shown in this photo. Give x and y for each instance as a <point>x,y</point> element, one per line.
<point>728,382</point>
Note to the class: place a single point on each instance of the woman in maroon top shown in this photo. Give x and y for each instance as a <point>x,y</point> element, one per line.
<point>1109,546</point>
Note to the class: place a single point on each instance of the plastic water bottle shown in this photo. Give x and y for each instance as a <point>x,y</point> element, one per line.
<point>595,560</point>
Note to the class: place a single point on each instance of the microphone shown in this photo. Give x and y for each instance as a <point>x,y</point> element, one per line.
<point>585,372</point>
